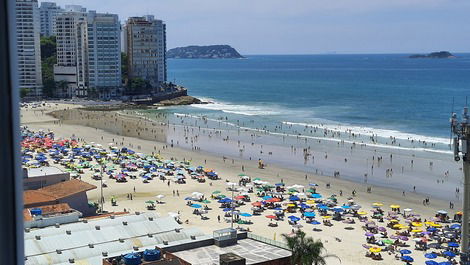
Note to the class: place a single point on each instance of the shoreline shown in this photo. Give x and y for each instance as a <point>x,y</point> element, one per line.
<point>349,249</point>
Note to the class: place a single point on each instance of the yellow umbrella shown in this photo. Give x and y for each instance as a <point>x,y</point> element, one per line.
<point>436,225</point>
<point>394,206</point>
<point>399,226</point>
<point>377,204</point>
<point>310,202</point>
<point>416,230</point>
<point>362,213</point>
<point>417,224</point>
<point>291,205</point>
<point>429,223</point>
<point>394,221</point>
<point>375,249</point>
<point>327,217</point>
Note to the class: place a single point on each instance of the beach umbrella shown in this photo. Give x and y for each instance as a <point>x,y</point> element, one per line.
<point>453,245</point>
<point>375,249</point>
<point>455,226</point>
<point>271,216</point>
<point>225,200</point>
<point>394,206</point>
<point>387,241</point>
<point>356,207</point>
<point>256,204</point>
<point>345,206</point>
<point>432,229</point>
<point>382,229</point>
<point>267,198</point>
<point>309,214</point>
<point>316,196</point>
<point>405,251</point>
<point>313,184</point>
<point>431,262</point>
<point>245,214</point>
<point>416,224</point>
<point>407,259</point>
<point>362,213</point>
<point>228,209</point>
<point>279,184</point>
<point>240,197</point>
<point>315,222</point>
<point>197,206</point>
<point>449,254</point>
<point>441,212</point>
<point>216,192</point>
<point>160,196</point>
<point>294,218</point>
<point>241,174</point>
<point>430,255</point>
<point>150,202</point>
<point>206,201</point>
<point>377,204</point>
<point>327,217</point>
<point>369,234</point>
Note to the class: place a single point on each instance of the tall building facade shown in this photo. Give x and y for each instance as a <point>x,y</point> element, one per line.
<point>28,46</point>
<point>88,53</point>
<point>104,54</point>
<point>70,53</point>
<point>48,13</point>
<point>145,39</point>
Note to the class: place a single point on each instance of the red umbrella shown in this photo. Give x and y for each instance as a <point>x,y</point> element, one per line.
<point>256,204</point>
<point>240,197</point>
<point>274,200</point>
<point>271,216</point>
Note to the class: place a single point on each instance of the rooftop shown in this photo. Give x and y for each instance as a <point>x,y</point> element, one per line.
<point>48,210</point>
<point>43,171</point>
<point>253,251</point>
<point>56,192</point>
<point>86,242</point>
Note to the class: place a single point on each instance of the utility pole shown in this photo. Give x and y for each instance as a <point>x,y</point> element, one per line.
<point>101,180</point>
<point>461,143</point>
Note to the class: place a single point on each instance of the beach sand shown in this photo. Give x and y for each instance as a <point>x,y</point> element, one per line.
<point>108,125</point>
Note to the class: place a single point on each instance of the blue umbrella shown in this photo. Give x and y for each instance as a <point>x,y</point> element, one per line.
<point>431,262</point>
<point>245,214</point>
<point>225,200</point>
<point>453,245</point>
<point>279,184</point>
<point>337,210</point>
<point>405,251</point>
<point>316,196</point>
<point>294,218</point>
<point>315,222</point>
<point>323,207</point>
<point>228,209</point>
<point>455,226</point>
<point>313,184</point>
<point>304,206</point>
<point>407,259</point>
<point>430,255</point>
<point>267,198</point>
<point>294,198</point>
<point>309,214</point>
<point>345,206</point>
<point>197,206</point>
<point>188,198</point>
<point>278,209</point>
<point>432,229</point>
<point>449,254</point>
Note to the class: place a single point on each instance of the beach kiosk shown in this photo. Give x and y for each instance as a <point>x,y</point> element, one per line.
<point>225,237</point>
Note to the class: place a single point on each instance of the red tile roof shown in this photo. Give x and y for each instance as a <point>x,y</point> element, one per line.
<point>55,192</point>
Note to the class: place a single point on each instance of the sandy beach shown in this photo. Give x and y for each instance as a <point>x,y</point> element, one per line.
<point>154,136</point>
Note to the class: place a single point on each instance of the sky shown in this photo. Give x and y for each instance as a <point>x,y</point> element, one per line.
<point>305,26</point>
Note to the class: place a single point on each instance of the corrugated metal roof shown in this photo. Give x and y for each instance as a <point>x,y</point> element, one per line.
<point>75,245</point>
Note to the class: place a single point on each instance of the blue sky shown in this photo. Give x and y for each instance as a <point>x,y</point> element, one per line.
<point>306,26</point>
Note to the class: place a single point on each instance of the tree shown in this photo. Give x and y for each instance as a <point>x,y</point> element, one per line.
<point>306,250</point>
<point>124,68</point>
<point>138,86</point>
<point>48,47</point>
<point>24,92</point>
<point>49,88</point>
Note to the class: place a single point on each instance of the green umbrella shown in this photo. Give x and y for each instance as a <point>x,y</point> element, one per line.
<point>257,179</point>
<point>311,190</point>
<point>293,190</point>
<point>241,174</point>
<point>151,202</point>
<point>221,196</point>
<point>387,241</point>
<point>206,201</point>
<point>216,192</point>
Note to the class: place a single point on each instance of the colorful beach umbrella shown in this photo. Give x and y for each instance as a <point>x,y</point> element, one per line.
<point>430,255</point>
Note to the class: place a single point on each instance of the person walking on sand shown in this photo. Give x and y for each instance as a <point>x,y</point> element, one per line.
<point>218,218</point>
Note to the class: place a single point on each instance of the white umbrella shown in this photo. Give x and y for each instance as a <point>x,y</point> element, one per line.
<point>407,210</point>
<point>231,184</point>
<point>174,215</point>
<point>297,186</point>
<point>160,196</point>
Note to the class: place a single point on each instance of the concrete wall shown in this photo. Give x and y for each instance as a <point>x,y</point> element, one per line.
<point>34,183</point>
<point>79,202</point>
<point>52,220</point>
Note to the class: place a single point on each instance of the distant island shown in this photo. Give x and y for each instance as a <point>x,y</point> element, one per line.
<point>204,52</point>
<point>438,55</point>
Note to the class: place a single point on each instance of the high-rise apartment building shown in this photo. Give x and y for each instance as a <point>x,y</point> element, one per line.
<point>88,53</point>
<point>104,53</point>
<point>145,39</point>
<point>28,46</point>
<point>70,34</point>
<point>48,12</point>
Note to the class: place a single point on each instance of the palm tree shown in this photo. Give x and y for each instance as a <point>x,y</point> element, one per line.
<point>306,250</point>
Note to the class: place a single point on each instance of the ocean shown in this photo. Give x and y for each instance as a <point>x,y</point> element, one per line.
<point>327,115</point>
<point>384,95</point>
